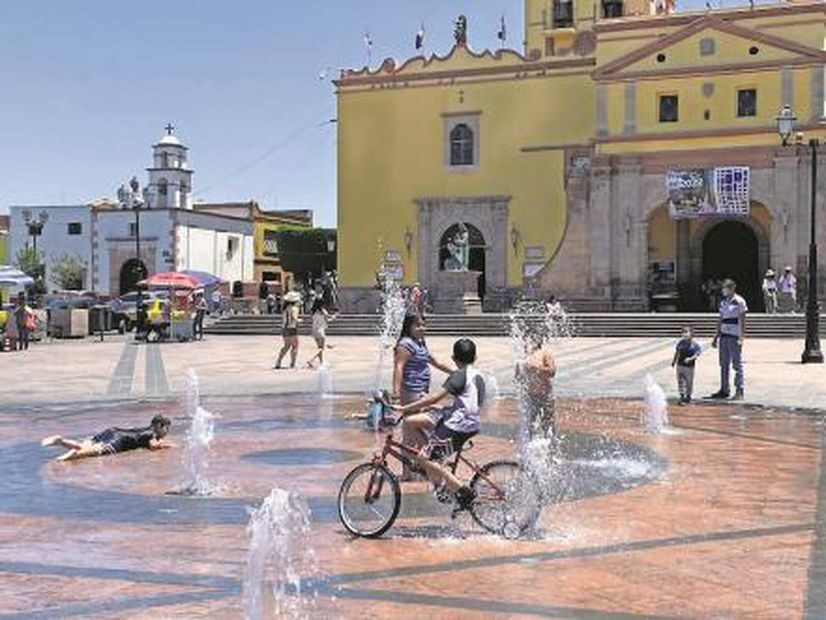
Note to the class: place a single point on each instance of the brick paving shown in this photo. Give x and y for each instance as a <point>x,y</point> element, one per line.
<point>724,516</point>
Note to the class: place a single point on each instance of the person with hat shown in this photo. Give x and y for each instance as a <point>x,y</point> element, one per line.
<point>787,289</point>
<point>770,292</point>
<point>729,340</point>
<point>289,328</point>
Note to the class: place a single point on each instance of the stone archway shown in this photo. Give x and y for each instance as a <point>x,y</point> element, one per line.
<point>131,272</point>
<point>476,254</point>
<point>488,215</point>
<point>736,248</point>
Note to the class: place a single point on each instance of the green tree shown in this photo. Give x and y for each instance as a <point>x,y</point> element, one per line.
<point>30,262</point>
<point>68,273</point>
<point>306,251</point>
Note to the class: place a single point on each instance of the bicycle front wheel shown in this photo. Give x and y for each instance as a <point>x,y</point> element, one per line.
<point>508,499</point>
<point>369,500</point>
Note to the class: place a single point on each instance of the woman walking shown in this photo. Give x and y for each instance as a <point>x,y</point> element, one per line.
<point>289,328</point>
<point>411,380</point>
<point>321,318</point>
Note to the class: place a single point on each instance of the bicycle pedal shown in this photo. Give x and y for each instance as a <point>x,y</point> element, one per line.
<point>443,497</point>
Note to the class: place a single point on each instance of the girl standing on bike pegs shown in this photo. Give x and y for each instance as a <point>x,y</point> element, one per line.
<point>457,422</point>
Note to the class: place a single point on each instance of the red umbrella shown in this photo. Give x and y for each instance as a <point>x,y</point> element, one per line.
<point>171,280</point>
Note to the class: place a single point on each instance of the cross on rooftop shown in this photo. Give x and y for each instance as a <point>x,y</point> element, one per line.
<point>169,129</point>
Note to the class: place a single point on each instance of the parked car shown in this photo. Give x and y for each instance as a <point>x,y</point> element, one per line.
<point>125,307</point>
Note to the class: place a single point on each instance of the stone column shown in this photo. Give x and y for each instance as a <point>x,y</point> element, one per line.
<point>688,293</point>
<point>599,218</point>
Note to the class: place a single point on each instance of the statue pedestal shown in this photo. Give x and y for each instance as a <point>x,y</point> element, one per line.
<point>456,292</point>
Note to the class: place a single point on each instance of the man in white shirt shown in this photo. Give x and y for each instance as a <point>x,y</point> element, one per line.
<point>729,340</point>
<point>770,292</point>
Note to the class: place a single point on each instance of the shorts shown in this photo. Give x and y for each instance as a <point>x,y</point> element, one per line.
<point>319,334</point>
<point>290,332</point>
<point>444,442</point>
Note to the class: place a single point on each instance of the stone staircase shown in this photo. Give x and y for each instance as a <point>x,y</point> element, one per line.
<point>583,325</point>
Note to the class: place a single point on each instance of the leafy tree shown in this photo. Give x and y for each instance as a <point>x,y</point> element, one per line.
<point>68,272</point>
<point>30,262</point>
<point>305,251</point>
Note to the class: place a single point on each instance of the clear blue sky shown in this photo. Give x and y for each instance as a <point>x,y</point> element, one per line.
<point>88,85</point>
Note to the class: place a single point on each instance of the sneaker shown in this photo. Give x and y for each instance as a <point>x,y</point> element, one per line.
<point>465,496</point>
<point>739,395</point>
<point>719,395</point>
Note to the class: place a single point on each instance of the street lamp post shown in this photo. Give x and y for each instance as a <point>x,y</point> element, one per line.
<point>811,353</point>
<point>131,199</point>
<point>35,229</point>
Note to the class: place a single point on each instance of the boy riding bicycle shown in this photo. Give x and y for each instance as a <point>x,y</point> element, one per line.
<point>458,421</point>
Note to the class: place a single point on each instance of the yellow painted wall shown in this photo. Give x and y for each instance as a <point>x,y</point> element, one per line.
<point>391,152</point>
<point>390,148</point>
<point>722,106</point>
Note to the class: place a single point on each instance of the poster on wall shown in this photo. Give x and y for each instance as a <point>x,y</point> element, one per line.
<point>711,192</point>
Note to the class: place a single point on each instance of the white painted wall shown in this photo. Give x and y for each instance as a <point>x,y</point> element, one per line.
<point>113,228</point>
<point>55,241</point>
<point>209,250</point>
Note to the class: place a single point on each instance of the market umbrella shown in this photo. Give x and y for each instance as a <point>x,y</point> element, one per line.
<point>205,279</point>
<point>13,277</point>
<point>174,280</point>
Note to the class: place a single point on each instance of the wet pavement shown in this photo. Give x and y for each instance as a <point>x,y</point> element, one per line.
<point>722,516</point>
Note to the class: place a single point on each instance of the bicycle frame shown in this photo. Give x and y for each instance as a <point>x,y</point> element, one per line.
<point>403,454</point>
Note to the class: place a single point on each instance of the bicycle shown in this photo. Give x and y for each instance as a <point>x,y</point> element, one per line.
<point>507,499</point>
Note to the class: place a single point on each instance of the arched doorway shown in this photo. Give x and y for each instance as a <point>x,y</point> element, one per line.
<point>476,253</point>
<point>731,250</point>
<point>132,272</point>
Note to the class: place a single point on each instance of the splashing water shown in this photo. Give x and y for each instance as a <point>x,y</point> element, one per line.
<point>196,452</point>
<point>492,391</point>
<point>392,309</point>
<point>279,551</point>
<point>655,415</point>
<point>198,439</point>
<point>325,381</point>
<point>193,393</point>
<point>538,453</point>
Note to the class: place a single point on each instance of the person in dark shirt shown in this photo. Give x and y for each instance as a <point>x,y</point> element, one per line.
<point>114,440</point>
<point>685,354</point>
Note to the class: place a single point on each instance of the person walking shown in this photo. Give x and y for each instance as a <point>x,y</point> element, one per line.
<point>787,289</point>
<point>321,319</point>
<point>24,317</point>
<point>685,355</point>
<point>201,308</point>
<point>411,380</point>
<point>770,292</point>
<point>731,327</point>
<point>289,328</point>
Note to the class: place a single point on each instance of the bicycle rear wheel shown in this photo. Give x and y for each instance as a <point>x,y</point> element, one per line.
<point>369,500</point>
<point>508,499</point>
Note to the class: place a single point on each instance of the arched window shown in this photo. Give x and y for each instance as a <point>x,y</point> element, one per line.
<point>164,160</point>
<point>461,145</point>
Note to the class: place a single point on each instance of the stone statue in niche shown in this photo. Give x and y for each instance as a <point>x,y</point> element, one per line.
<point>460,30</point>
<point>458,248</point>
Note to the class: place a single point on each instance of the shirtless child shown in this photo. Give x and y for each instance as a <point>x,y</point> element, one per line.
<point>114,440</point>
<point>535,376</point>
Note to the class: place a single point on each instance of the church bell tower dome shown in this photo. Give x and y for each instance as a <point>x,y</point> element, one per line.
<point>170,177</point>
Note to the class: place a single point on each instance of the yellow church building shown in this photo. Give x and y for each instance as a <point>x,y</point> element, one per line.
<point>629,153</point>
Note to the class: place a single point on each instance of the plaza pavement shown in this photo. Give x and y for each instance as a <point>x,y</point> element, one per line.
<point>724,516</point>
<point>117,369</point>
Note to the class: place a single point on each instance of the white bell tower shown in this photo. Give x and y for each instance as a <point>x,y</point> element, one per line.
<point>170,178</point>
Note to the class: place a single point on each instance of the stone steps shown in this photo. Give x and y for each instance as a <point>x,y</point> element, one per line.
<point>584,325</point>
